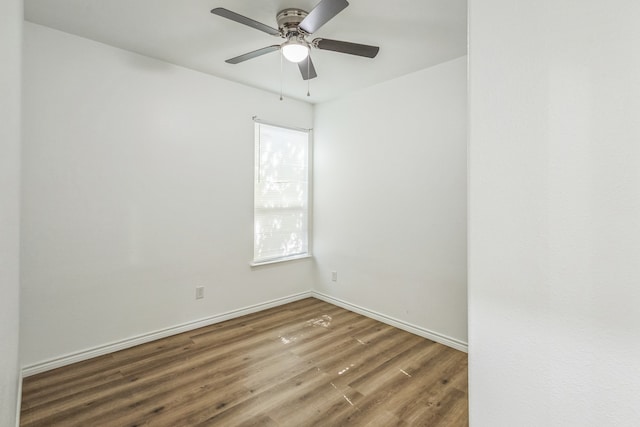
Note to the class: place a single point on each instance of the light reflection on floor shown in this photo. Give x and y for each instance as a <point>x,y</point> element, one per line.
<point>285,340</point>
<point>324,321</point>
<point>405,372</point>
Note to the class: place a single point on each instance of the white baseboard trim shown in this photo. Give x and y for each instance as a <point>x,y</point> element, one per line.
<point>151,336</point>
<point>185,327</point>
<point>400,324</point>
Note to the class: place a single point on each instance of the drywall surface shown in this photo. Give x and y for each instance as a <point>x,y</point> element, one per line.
<point>10,53</point>
<point>390,199</point>
<point>138,187</point>
<point>554,213</point>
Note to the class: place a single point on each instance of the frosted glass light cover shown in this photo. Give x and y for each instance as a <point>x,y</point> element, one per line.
<point>295,52</point>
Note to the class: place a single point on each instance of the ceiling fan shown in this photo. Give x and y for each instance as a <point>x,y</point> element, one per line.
<point>294,25</point>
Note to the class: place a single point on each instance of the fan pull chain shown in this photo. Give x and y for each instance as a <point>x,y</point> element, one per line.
<point>281,55</point>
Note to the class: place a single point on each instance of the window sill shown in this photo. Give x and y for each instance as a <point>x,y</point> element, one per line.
<point>278,260</point>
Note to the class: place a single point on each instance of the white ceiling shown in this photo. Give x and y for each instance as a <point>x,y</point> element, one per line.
<point>412,35</point>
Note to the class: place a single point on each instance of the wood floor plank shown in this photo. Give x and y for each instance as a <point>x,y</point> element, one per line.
<point>431,384</point>
<point>392,373</point>
<point>308,363</point>
<point>262,403</point>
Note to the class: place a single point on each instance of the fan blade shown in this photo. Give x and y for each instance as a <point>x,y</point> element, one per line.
<point>225,13</point>
<point>253,54</point>
<point>347,47</point>
<point>307,69</point>
<point>321,14</point>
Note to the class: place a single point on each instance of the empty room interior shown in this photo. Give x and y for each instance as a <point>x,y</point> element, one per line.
<point>431,219</point>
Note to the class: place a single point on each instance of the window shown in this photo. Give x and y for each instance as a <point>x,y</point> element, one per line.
<point>281,194</point>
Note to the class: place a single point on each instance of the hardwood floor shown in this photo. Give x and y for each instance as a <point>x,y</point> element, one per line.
<point>302,364</point>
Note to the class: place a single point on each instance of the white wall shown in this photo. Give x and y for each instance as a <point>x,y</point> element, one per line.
<point>390,199</point>
<point>138,186</point>
<point>10,53</point>
<point>554,278</point>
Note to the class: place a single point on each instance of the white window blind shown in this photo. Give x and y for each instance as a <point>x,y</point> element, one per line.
<point>281,193</point>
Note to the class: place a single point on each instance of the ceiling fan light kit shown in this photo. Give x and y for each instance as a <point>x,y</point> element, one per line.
<point>295,25</point>
<point>295,50</point>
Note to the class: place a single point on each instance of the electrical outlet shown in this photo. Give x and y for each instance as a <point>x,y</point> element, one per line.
<point>334,276</point>
<point>199,292</point>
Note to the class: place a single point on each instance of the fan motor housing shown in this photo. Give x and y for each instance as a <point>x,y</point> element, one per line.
<point>289,19</point>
